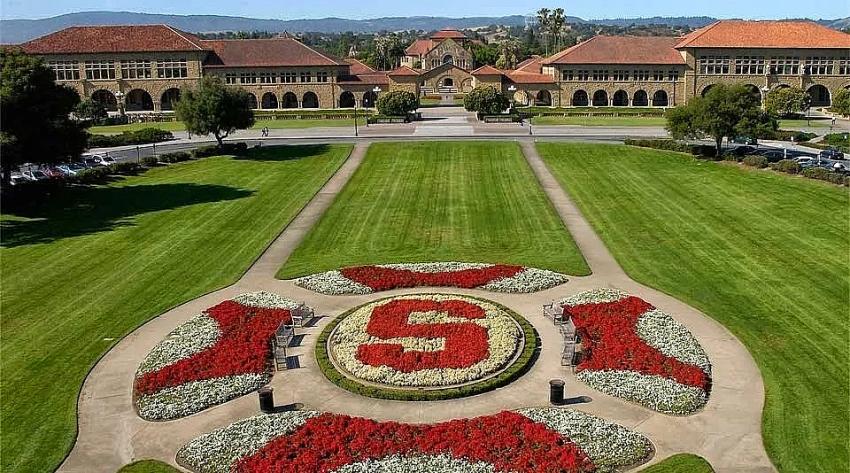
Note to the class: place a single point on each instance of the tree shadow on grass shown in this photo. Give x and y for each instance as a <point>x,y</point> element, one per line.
<point>283,152</point>
<point>77,211</point>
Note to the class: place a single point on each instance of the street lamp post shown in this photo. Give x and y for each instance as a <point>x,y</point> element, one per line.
<point>355,118</point>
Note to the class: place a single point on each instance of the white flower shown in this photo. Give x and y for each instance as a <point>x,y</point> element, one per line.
<point>655,392</point>
<point>596,296</point>
<point>417,464</point>
<point>672,338</point>
<point>527,280</point>
<point>195,396</point>
<point>199,333</point>
<point>332,283</point>
<point>266,300</point>
<point>610,446</point>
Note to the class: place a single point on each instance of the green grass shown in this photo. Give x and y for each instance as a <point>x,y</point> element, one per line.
<point>272,124</point>
<point>93,264</point>
<point>148,466</point>
<point>439,201</point>
<point>681,463</point>
<point>598,121</point>
<point>763,253</point>
<point>794,124</point>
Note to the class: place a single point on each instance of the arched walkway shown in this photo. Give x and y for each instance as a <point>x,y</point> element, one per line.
<point>641,99</point>
<point>621,99</point>
<point>169,99</point>
<point>580,99</point>
<point>659,99</point>
<point>252,102</point>
<point>600,98</point>
<point>370,98</point>
<point>290,100</point>
<point>310,100</point>
<point>447,82</point>
<point>706,89</point>
<point>820,96</point>
<point>138,100</point>
<point>105,98</point>
<point>269,101</point>
<point>346,100</point>
<point>544,98</point>
<point>754,91</point>
<point>466,86</point>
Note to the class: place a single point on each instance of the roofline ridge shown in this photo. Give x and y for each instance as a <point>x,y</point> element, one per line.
<point>702,31</point>
<point>181,34</point>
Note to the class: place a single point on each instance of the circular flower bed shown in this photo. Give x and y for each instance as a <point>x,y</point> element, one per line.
<point>634,351</point>
<point>214,357</point>
<point>426,346</point>
<point>490,277</point>
<point>529,440</point>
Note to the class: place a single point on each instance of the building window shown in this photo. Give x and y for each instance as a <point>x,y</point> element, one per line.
<point>714,65</point>
<point>65,70</point>
<point>785,66</point>
<point>231,78</point>
<point>818,66</point>
<point>673,75</point>
<point>321,77</point>
<point>288,77</point>
<point>658,75</point>
<point>844,67</point>
<point>248,78</point>
<point>600,74</point>
<point>96,70</point>
<point>641,75</point>
<point>306,77</point>
<point>583,75</point>
<point>136,69</point>
<point>267,78</point>
<point>172,68</point>
<point>567,75</point>
<point>621,75</point>
<point>749,65</point>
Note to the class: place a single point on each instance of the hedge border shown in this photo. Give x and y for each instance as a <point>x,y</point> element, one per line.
<point>524,362</point>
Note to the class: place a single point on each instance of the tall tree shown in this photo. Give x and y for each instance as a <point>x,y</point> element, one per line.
<point>786,101</point>
<point>544,22</point>
<point>558,23</point>
<point>725,111</point>
<point>35,123</point>
<point>509,51</point>
<point>215,109</point>
<point>841,102</point>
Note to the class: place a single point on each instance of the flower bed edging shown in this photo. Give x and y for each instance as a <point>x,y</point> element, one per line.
<point>520,366</point>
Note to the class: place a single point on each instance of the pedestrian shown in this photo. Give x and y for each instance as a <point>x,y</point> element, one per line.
<point>190,135</point>
<point>833,121</point>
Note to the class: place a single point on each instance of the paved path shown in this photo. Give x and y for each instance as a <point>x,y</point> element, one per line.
<point>727,432</point>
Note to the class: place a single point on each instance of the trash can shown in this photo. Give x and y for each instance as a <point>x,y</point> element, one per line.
<point>556,391</point>
<point>266,394</point>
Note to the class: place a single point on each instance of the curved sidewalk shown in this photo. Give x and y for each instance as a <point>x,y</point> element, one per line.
<point>727,432</point>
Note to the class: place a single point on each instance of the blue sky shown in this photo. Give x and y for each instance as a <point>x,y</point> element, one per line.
<point>291,9</point>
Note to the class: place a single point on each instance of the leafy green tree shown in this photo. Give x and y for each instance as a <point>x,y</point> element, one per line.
<point>483,54</point>
<point>215,109</point>
<point>786,101</point>
<point>725,111</point>
<point>486,100</point>
<point>90,110</point>
<point>509,51</point>
<point>841,102</point>
<point>35,123</point>
<point>397,103</point>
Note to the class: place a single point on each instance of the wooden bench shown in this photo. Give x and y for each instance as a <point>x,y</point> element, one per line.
<point>283,336</point>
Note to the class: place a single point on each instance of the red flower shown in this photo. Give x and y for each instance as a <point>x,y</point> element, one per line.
<point>466,343</point>
<point>610,342</point>
<point>242,348</point>
<point>382,279</point>
<point>509,441</point>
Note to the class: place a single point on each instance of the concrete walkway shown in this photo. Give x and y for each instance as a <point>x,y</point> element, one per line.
<point>727,432</point>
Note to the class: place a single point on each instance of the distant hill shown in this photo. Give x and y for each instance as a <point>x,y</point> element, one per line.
<point>17,31</point>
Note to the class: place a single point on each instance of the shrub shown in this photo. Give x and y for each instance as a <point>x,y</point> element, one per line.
<point>826,175</point>
<point>205,152</point>
<point>755,161</point>
<point>175,157</point>
<point>92,176</point>
<point>139,137</point>
<point>150,161</point>
<point>486,100</point>
<point>226,148</point>
<point>397,103</point>
<point>786,135</point>
<point>673,145</point>
<point>786,165</point>
<point>124,168</point>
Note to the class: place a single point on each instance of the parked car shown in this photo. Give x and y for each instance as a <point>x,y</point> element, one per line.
<point>90,161</point>
<point>740,151</point>
<point>52,172</point>
<point>105,160</point>
<point>831,153</point>
<point>70,169</point>
<point>774,156</point>
<point>18,179</point>
<point>746,140</point>
<point>805,161</point>
<point>35,175</point>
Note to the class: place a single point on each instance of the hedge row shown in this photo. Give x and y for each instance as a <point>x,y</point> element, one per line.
<point>707,151</point>
<point>139,137</point>
<point>520,366</point>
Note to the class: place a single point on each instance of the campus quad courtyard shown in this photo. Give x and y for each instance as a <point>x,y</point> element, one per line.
<point>708,299</point>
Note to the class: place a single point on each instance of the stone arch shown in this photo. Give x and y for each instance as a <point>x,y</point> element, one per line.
<point>754,91</point>
<point>543,98</point>
<point>310,100</point>
<point>600,98</point>
<point>105,98</point>
<point>466,85</point>
<point>447,82</point>
<point>620,99</point>
<point>370,99</point>
<point>659,99</point>
<point>252,101</point>
<point>290,100</point>
<point>521,97</point>
<point>448,59</point>
<point>169,98</point>
<point>268,101</point>
<point>820,96</point>
<point>640,99</point>
<point>347,100</point>
<point>138,100</point>
<point>706,89</point>
<point>580,99</point>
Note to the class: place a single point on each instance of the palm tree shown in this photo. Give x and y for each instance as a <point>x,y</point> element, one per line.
<point>508,53</point>
<point>558,21</point>
<point>545,22</point>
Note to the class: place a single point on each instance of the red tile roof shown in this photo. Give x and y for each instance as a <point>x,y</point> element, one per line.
<point>621,50</point>
<point>765,34</point>
<point>529,78</point>
<point>373,78</point>
<point>486,70</point>
<point>358,67</point>
<point>448,33</point>
<point>266,53</point>
<point>532,64</point>
<point>403,71</point>
<point>113,39</point>
<point>420,46</point>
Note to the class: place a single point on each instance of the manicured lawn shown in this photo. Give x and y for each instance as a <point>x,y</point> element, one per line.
<point>148,466</point>
<point>93,264</point>
<point>763,253</point>
<point>439,201</point>
<point>598,121</point>
<point>681,463</point>
<point>272,124</point>
<point>813,123</point>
